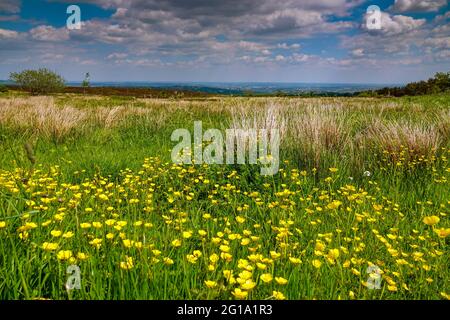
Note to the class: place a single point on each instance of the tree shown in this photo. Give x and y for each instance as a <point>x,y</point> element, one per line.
<point>41,81</point>
<point>86,82</point>
<point>442,80</point>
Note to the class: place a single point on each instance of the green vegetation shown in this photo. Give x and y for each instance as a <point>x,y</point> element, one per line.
<point>38,82</point>
<point>440,83</point>
<point>86,82</point>
<point>88,181</point>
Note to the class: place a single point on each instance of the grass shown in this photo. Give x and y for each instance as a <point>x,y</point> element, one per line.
<point>363,182</point>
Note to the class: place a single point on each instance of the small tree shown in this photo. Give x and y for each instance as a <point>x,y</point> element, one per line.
<point>41,81</point>
<point>86,82</point>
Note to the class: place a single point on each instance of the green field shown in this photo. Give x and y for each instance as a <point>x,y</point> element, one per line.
<point>88,181</point>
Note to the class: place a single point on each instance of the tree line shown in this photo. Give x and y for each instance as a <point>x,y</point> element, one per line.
<point>44,81</point>
<point>440,83</point>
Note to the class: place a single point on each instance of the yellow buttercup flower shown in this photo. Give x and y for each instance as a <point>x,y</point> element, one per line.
<point>214,258</point>
<point>355,272</point>
<point>266,277</point>
<point>191,258</point>
<point>28,226</point>
<point>377,207</point>
<point>48,246</point>
<point>2,224</point>
<point>96,242</point>
<point>121,223</point>
<point>248,285</point>
<point>261,266</point>
<point>227,274</point>
<point>56,233</point>
<point>320,246</point>
<point>278,295</point>
<point>97,224</point>
<point>127,264</point>
<point>281,281</point>
<point>187,234</point>
<point>239,294</point>
<point>23,235</point>
<point>275,255</point>
<point>210,284</point>
<point>82,256</point>
<point>316,263</point>
<point>295,260</point>
<point>445,295</point>
<point>46,223</point>
<point>197,253</point>
<point>333,254</point>
<point>226,256</point>
<point>110,222</point>
<point>127,243</point>
<point>431,220</point>
<point>240,219</point>
<point>442,232</point>
<point>68,235</point>
<point>245,275</point>
<point>392,288</point>
<point>64,255</point>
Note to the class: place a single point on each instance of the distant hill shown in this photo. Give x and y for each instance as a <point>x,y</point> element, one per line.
<point>438,84</point>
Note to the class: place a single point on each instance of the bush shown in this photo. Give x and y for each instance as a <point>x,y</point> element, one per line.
<point>3,88</point>
<point>42,81</point>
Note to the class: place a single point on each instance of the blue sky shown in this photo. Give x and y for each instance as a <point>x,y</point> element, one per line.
<point>228,40</point>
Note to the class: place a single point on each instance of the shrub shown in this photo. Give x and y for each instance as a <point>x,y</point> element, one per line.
<point>41,81</point>
<point>3,88</point>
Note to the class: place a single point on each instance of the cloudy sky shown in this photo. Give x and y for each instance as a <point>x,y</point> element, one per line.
<point>228,40</point>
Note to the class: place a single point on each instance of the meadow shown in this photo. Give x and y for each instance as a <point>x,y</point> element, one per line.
<point>358,210</point>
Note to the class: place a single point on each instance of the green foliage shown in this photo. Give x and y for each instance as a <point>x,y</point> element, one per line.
<point>41,81</point>
<point>3,88</point>
<point>86,82</point>
<point>439,84</point>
